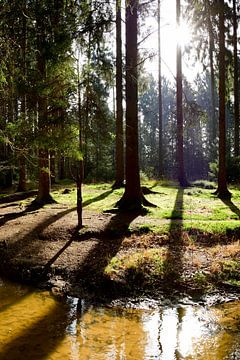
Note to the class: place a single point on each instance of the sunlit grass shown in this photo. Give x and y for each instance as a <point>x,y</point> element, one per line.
<point>198,208</point>
<point>139,266</point>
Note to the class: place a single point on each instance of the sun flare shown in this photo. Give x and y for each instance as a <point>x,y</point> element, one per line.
<point>183,34</point>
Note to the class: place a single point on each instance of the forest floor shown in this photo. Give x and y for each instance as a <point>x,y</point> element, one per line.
<point>189,244</point>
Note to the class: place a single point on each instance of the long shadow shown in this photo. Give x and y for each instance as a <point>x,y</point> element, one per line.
<point>12,216</point>
<point>232,207</point>
<point>17,197</point>
<point>91,274</point>
<point>24,242</point>
<point>12,297</point>
<point>35,206</point>
<point>19,245</point>
<point>40,339</point>
<point>173,264</point>
<point>97,198</point>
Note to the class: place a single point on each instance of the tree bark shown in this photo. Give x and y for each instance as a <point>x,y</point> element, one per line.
<point>21,158</point>
<point>80,171</point>
<point>160,114</point>
<point>132,198</point>
<point>22,186</point>
<point>180,156</point>
<point>44,163</point>
<point>236,81</point>
<point>119,99</point>
<point>222,190</point>
<point>44,177</point>
<point>213,123</point>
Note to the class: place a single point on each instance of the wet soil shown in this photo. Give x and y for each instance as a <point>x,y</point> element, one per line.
<point>41,246</point>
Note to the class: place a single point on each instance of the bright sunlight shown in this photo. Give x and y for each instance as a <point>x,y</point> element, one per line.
<point>170,36</point>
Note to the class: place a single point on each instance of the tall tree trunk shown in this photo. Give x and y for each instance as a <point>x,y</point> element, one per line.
<point>80,171</point>
<point>160,114</point>
<point>22,185</point>
<point>236,82</point>
<point>52,167</point>
<point>132,197</point>
<point>180,156</point>
<point>222,190</point>
<point>44,161</point>
<point>119,99</point>
<point>21,158</point>
<point>213,121</point>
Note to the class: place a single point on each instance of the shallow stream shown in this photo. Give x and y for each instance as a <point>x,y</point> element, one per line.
<point>35,325</point>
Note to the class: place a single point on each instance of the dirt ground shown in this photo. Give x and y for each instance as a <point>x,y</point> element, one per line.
<point>41,246</point>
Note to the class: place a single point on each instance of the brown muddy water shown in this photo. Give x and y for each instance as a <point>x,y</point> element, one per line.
<point>36,325</point>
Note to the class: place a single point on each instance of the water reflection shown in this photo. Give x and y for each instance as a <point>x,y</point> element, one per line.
<point>34,325</point>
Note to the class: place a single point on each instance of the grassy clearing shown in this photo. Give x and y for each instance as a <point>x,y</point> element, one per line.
<point>195,207</point>
<point>207,228</point>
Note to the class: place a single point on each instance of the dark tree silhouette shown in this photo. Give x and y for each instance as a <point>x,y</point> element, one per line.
<point>236,79</point>
<point>180,156</point>
<point>160,112</point>
<point>119,179</point>
<point>44,161</point>
<point>133,198</point>
<point>222,190</point>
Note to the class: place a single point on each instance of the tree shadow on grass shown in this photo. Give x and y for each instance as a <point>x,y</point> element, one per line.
<point>210,239</point>
<point>232,207</point>
<point>34,206</point>
<point>91,274</point>
<point>97,198</point>
<point>173,264</point>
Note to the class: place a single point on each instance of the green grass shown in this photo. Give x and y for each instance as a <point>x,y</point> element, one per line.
<point>138,267</point>
<point>195,207</point>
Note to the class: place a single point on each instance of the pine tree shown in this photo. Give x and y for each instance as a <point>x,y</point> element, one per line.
<point>180,156</point>
<point>222,190</point>
<point>119,99</point>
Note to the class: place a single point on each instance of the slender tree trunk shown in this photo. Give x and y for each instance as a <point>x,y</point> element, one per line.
<point>222,189</point>
<point>180,156</point>
<point>44,161</point>
<point>236,82</point>
<point>52,167</point>
<point>213,123</point>
<point>61,167</point>
<point>80,172</point>
<point>119,99</point>
<point>21,158</point>
<point>160,114</point>
<point>22,185</point>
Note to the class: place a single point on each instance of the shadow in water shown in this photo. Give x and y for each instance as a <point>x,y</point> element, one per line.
<point>174,259</point>
<point>232,207</point>
<point>39,339</point>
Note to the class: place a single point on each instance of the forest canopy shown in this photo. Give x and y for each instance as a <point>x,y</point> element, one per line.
<point>68,73</point>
